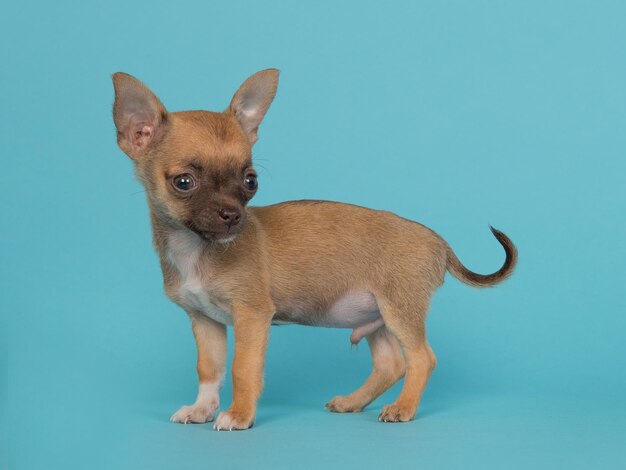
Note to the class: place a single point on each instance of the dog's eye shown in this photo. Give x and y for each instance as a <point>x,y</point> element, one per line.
<point>250,182</point>
<point>184,182</point>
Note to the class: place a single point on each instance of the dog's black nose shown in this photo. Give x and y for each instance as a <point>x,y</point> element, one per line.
<point>229,217</point>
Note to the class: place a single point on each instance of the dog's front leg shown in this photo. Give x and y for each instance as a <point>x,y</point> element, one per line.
<point>251,327</point>
<point>210,339</point>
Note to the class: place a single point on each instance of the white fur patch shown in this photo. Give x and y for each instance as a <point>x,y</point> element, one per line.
<point>205,407</point>
<point>184,249</point>
<point>353,310</point>
<point>224,241</point>
<point>208,393</point>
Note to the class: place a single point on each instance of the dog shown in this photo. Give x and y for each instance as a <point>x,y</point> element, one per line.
<point>315,263</point>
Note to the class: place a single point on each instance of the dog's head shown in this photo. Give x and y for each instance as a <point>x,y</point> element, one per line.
<point>196,165</point>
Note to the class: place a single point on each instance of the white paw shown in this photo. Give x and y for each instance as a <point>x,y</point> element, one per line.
<point>196,413</point>
<point>232,420</point>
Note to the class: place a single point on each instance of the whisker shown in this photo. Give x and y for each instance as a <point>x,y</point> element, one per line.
<point>265,170</point>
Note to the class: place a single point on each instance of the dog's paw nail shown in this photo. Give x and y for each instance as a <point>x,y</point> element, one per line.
<point>396,414</point>
<point>233,420</point>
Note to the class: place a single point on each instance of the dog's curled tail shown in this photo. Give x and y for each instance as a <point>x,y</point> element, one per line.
<point>463,274</point>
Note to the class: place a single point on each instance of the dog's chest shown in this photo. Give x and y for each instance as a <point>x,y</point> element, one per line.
<point>184,250</point>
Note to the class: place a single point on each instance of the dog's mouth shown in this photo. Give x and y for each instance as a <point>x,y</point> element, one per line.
<point>217,234</point>
<point>218,237</point>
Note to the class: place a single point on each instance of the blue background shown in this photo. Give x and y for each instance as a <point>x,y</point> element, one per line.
<point>455,114</point>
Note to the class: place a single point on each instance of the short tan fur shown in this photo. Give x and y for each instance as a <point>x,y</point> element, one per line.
<point>306,262</point>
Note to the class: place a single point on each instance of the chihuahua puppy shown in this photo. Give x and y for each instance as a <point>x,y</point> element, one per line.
<point>312,263</point>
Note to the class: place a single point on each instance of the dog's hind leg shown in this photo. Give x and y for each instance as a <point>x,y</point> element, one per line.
<point>388,368</point>
<point>404,318</point>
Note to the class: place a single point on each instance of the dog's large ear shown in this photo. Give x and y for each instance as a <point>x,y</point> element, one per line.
<point>252,100</point>
<point>138,114</point>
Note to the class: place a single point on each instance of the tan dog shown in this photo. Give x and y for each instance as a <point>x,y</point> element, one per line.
<point>306,262</point>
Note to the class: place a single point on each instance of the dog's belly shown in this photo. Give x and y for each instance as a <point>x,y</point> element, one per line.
<point>357,310</point>
<point>352,310</point>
